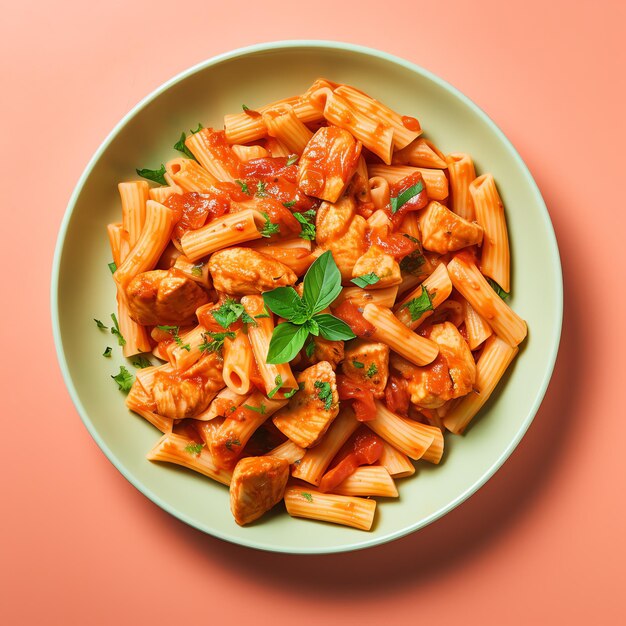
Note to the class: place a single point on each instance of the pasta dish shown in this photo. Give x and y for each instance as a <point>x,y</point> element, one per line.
<point>310,298</point>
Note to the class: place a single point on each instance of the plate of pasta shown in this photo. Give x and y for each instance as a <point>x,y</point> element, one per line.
<point>320,297</point>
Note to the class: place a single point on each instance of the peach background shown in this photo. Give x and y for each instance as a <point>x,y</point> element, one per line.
<point>542,542</point>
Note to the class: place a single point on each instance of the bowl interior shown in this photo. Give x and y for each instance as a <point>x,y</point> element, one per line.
<point>83,289</point>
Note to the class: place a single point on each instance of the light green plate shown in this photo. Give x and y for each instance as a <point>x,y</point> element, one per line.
<point>82,287</point>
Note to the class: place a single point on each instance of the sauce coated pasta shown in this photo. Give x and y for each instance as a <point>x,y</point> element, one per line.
<point>324,291</point>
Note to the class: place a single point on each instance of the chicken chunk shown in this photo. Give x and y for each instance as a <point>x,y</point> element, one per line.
<point>332,220</point>
<point>310,411</point>
<point>243,271</point>
<point>164,297</point>
<point>258,483</point>
<point>186,394</point>
<point>325,350</point>
<point>348,248</point>
<point>383,265</point>
<point>328,163</point>
<point>451,375</point>
<point>444,231</point>
<point>367,364</point>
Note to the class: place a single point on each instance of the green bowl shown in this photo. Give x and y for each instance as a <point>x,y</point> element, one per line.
<point>82,288</point>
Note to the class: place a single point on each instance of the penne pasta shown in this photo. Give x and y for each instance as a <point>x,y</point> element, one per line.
<point>496,259</point>
<point>216,157</point>
<point>420,153</point>
<point>141,403</point>
<point>134,195</point>
<point>372,480</point>
<point>345,510</point>
<point>161,194</point>
<point>249,153</point>
<point>391,331</point>
<point>478,331</point>
<point>462,173</point>
<point>282,123</point>
<point>188,175</point>
<point>238,364</point>
<point>397,464</point>
<point>493,362</point>
<point>379,192</point>
<point>289,451</point>
<point>224,402</point>
<point>360,297</point>
<point>435,180</point>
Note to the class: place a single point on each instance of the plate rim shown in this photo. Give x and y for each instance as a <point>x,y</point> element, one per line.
<point>366,542</point>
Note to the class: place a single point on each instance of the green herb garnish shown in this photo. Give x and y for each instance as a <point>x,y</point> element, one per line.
<point>366,279</point>
<point>232,442</point>
<point>307,496</point>
<point>112,267</point>
<point>358,365</point>
<point>245,107</point>
<point>405,196</point>
<point>107,352</point>
<point>142,362</point>
<point>157,176</point>
<point>289,204</point>
<point>244,186</point>
<point>229,312</point>
<point>181,147</point>
<point>307,226</point>
<point>260,190</point>
<point>322,285</point>
<point>124,379</point>
<point>214,342</point>
<point>258,409</point>
<point>173,330</point>
<point>100,325</point>
<point>418,306</point>
<point>292,159</point>
<point>269,228</point>
<point>116,331</point>
<point>324,393</point>
<point>194,448</point>
<point>279,383</point>
<point>372,370</point>
<point>494,285</point>
<point>196,270</point>
<point>290,393</point>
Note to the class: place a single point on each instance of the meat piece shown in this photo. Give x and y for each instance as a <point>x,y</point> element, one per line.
<point>328,163</point>
<point>333,219</point>
<point>383,265</point>
<point>243,271</point>
<point>161,297</point>
<point>325,350</point>
<point>186,394</point>
<point>451,375</point>
<point>312,409</point>
<point>348,248</point>
<point>258,483</point>
<point>367,364</point>
<point>444,231</point>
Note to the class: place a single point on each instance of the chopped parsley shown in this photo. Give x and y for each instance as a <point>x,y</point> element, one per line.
<point>196,270</point>
<point>229,312</point>
<point>173,330</point>
<point>142,362</point>
<point>324,393</point>
<point>257,409</point>
<point>112,267</point>
<point>269,228</point>
<point>100,325</point>
<point>260,190</point>
<point>214,342</point>
<point>292,159</point>
<point>307,226</point>
<point>279,383</point>
<point>372,370</point>
<point>157,176</point>
<point>307,496</point>
<point>124,379</point>
<point>244,186</point>
<point>181,147</point>
<point>107,352</point>
<point>245,107</point>
<point>289,204</point>
<point>366,279</point>
<point>412,263</point>
<point>116,331</point>
<point>232,442</point>
<point>291,393</point>
<point>194,448</point>
<point>494,285</point>
<point>418,306</point>
<point>358,365</point>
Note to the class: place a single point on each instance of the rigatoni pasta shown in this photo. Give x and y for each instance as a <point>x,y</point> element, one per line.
<point>325,299</point>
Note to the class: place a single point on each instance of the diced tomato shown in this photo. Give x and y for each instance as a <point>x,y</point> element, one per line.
<point>416,203</point>
<point>278,214</point>
<point>269,167</point>
<point>397,396</point>
<point>351,315</point>
<point>362,398</point>
<point>363,448</point>
<point>194,209</point>
<point>394,244</point>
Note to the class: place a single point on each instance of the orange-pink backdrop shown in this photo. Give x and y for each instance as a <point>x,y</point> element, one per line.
<point>542,543</point>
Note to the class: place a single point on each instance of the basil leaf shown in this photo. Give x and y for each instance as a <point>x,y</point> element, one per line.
<point>494,285</point>
<point>418,306</point>
<point>366,279</point>
<point>322,283</point>
<point>181,147</point>
<point>307,228</point>
<point>286,302</point>
<point>332,328</point>
<point>405,196</point>
<point>156,176</point>
<point>287,341</point>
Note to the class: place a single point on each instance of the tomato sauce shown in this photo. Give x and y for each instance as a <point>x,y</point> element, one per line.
<point>193,209</point>
<point>362,398</point>
<point>397,396</point>
<point>410,123</point>
<point>416,203</point>
<point>350,314</point>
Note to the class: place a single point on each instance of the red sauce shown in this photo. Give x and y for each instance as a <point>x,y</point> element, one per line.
<point>362,398</point>
<point>411,123</point>
<point>394,244</point>
<point>351,315</point>
<point>269,167</point>
<point>397,396</point>
<point>279,214</point>
<point>193,209</point>
<point>363,448</point>
<point>216,142</point>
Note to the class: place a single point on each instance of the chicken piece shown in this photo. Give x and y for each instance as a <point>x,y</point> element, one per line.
<point>383,265</point>
<point>328,163</point>
<point>243,271</point>
<point>367,364</point>
<point>348,248</point>
<point>310,411</point>
<point>186,394</point>
<point>444,231</point>
<point>325,350</point>
<point>451,375</point>
<point>258,483</point>
<point>164,297</point>
<point>332,220</point>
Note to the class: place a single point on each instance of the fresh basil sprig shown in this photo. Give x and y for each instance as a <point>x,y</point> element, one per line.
<point>403,197</point>
<point>322,285</point>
